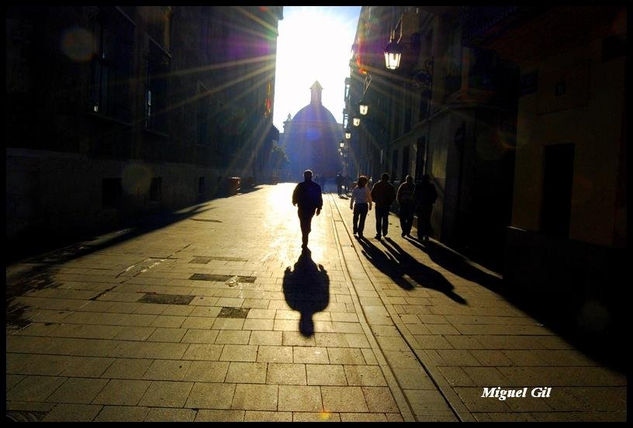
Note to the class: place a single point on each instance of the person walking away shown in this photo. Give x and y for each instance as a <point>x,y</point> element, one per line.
<point>406,203</point>
<point>425,196</point>
<point>308,198</point>
<point>360,202</point>
<point>383,194</point>
<point>339,183</point>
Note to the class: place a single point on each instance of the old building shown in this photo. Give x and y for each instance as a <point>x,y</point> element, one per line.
<point>119,111</point>
<point>449,111</point>
<point>311,139</point>
<point>518,113</point>
<point>568,233</point>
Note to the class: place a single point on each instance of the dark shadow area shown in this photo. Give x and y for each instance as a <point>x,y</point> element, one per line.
<point>456,264</point>
<point>396,263</point>
<point>306,290</point>
<point>45,248</point>
<point>593,324</point>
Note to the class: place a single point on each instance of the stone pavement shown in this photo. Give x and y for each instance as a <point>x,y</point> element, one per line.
<point>219,316</point>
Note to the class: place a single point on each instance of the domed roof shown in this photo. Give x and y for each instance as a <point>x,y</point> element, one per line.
<point>315,111</point>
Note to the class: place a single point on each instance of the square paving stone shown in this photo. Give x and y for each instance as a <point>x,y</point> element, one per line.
<point>122,392</point>
<point>364,375</point>
<point>326,374</point>
<point>240,372</point>
<point>343,399</point>
<point>299,398</point>
<point>220,416</point>
<point>34,388</point>
<point>286,374</point>
<point>313,355</point>
<point>122,414</point>
<point>72,413</point>
<point>276,354</point>
<point>124,368</point>
<point>255,397</point>
<point>380,399</point>
<point>170,415</point>
<point>211,396</point>
<point>166,394</point>
<point>78,390</point>
<point>167,370</point>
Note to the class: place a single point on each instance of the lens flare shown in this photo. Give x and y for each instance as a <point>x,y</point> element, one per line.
<point>78,44</point>
<point>136,179</point>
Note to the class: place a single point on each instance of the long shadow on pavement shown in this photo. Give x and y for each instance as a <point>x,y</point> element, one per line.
<point>306,290</point>
<point>457,264</point>
<point>396,263</point>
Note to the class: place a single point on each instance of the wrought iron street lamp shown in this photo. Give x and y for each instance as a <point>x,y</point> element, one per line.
<point>356,121</point>
<point>393,53</point>
<point>348,134</point>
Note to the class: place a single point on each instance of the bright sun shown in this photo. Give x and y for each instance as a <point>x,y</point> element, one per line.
<point>314,44</point>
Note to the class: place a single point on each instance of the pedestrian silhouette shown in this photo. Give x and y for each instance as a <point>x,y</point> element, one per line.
<point>361,203</point>
<point>306,290</point>
<point>406,204</point>
<point>383,194</point>
<point>308,197</point>
<point>425,196</point>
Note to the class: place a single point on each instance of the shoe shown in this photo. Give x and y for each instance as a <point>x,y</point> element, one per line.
<point>403,234</point>
<point>377,236</point>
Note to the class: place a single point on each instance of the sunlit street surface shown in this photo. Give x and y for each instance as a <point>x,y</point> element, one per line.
<point>216,314</point>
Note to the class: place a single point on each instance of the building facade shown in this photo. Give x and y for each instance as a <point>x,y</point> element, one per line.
<point>568,234</point>
<point>518,113</point>
<point>448,111</point>
<point>119,111</point>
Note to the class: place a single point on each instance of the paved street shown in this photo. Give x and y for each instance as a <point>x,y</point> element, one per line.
<point>219,316</point>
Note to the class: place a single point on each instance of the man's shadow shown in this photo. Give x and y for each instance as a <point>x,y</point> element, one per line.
<point>396,263</point>
<point>307,290</point>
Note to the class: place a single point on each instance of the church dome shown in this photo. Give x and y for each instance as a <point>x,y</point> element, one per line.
<point>312,138</point>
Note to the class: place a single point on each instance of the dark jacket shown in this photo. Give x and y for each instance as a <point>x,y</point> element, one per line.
<point>307,196</point>
<point>425,194</point>
<point>383,194</point>
<point>405,194</point>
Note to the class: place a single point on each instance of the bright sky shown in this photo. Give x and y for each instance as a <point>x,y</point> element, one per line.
<point>314,43</point>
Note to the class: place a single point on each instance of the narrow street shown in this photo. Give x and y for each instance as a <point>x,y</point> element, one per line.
<point>215,314</point>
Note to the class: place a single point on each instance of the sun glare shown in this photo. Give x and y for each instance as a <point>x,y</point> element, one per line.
<point>314,44</point>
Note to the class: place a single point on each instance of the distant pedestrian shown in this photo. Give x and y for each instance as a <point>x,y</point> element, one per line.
<point>360,202</point>
<point>383,194</point>
<point>308,198</point>
<point>339,183</point>
<point>425,196</point>
<point>406,205</point>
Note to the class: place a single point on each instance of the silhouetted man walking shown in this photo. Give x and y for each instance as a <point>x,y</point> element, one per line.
<point>383,194</point>
<point>309,200</point>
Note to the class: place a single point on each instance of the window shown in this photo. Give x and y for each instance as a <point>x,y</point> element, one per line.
<point>158,63</point>
<point>112,65</point>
